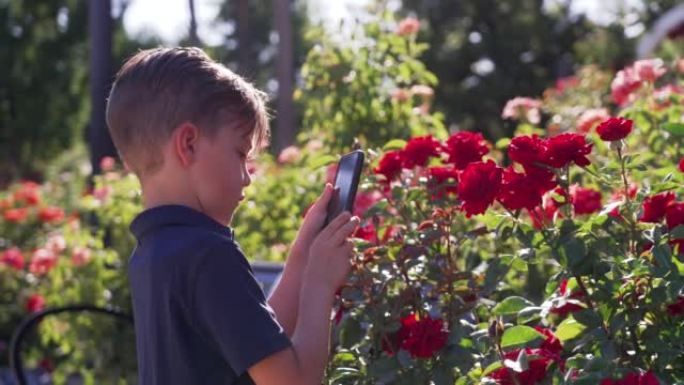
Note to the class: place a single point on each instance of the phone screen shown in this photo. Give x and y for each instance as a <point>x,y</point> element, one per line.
<point>346,181</point>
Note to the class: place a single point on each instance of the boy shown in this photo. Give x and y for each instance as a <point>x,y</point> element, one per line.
<point>185,125</point>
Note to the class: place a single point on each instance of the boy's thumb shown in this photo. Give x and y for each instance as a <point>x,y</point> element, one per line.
<point>327,193</point>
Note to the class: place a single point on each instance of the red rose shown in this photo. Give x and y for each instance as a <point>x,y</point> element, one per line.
<point>568,307</point>
<point>647,378</point>
<point>674,214</point>
<point>542,179</point>
<point>51,214</point>
<point>16,215</point>
<point>28,193</point>
<point>478,187</point>
<point>619,194</point>
<point>422,337</point>
<point>35,303</point>
<point>534,374</point>
<point>367,233</point>
<point>585,200</point>
<point>677,308</point>
<point>13,258</point>
<point>365,200</point>
<point>465,147</point>
<point>541,215</point>
<point>681,164</point>
<point>443,181</point>
<point>565,148</point>
<point>519,191</point>
<point>527,150</point>
<point>654,207</point>
<point>418,150</point>
<point>615,129</point>
<point>551,344</point>
<point>47,364</point>
<point>548,352</point>
<point>390,165</point>
<point>42,261</point>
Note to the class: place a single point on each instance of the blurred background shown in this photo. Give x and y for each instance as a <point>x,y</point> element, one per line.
<point>57,58</point>
<point>377,71</point>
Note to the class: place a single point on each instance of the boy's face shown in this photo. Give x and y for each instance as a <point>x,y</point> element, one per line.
<point>220,173</point>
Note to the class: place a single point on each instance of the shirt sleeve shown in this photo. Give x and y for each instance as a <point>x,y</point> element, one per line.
<point>230,308</point>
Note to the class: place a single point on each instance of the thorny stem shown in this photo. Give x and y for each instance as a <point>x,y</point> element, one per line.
<point>628,200</point>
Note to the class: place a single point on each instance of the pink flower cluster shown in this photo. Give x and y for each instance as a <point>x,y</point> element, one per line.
<point>630,79</point>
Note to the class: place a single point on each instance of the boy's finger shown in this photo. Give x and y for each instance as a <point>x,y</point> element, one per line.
<point>336,223</point>
<point>345,231</point>
<point>324,198</point>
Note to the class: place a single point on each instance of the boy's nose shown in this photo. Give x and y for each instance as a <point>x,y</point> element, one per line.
<point>246,179</point>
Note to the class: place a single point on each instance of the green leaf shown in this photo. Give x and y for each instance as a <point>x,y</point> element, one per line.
<point>502,143</point>
<point>575,251</point>
<point>351,333</point>
<point>663,256</point>
<point>511,305</point>
<point>518,336</point>
<point>569,329</point>
<point>588,317</point>
<point>442,376</point>
<point>673,128</point>
<point>529,314</point>
<point>384,367</point>
<point>321,161</point>
<point>395,144</point>
<point>519,264</point>
<point>665,186</point>
<point>677,232</point>
<point>494,366</point>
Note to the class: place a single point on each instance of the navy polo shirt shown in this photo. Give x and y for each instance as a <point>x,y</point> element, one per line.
<point>200,315</point>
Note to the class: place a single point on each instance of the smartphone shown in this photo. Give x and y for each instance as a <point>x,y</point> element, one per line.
<point>346,183</point>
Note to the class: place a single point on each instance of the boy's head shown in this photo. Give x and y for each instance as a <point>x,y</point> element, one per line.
<point>177,112</point>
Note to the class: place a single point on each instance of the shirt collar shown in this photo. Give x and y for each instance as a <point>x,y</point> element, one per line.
<point>170,215</point>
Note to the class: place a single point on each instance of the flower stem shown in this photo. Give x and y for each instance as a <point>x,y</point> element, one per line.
<point>629,214</point>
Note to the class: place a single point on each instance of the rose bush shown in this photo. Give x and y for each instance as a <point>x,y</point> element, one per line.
<point>52,254</point>
<point>553,257</point>
<point>373,89</point>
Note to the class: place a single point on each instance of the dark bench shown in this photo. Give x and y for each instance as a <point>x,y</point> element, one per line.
<point>265,272</point>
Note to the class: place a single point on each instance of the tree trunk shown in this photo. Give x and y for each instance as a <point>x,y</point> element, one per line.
<point>100,27</point>
<point>192,35</point>
<point>285,133</point>
<point>243,36</point>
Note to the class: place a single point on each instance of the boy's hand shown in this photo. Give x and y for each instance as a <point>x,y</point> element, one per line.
<point>313,223</point>
<point>331,251</point>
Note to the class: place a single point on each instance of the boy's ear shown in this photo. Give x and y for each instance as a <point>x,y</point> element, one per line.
<point>185,138</point>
